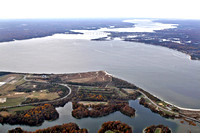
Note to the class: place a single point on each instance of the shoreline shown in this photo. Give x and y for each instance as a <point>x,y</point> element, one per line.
<point>143,131</point>
<point>186,109</point>
<point>107,73</point>
<point>117,83</point>
<point>91,39</point>
<point>189,109</point>
<point>182,108</point>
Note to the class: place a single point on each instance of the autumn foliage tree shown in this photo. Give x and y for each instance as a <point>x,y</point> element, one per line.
<point>82,111</point>
<point>115,126</point>
<point>152,129</point>
<point>33,117</point>
<point>65,128</point>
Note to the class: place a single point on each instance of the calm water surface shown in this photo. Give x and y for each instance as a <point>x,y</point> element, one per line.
<point>143,118</point>
<point>169,74</point>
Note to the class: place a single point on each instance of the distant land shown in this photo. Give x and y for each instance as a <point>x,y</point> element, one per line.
<point>11,30</point>
<point>184,38</point>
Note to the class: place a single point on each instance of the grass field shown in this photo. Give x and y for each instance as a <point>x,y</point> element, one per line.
<point>10,85</point>
<point>147,100</point>
<point>44,95</point>
<point>20,108</point>
<point>130,91</point>
<point>15,98</point>
<point>89,88</point>
<point>12,101</point>
<point>169,113</point>
<point>120,93</point>
<point>12,111</point>
<point>5,113</point>
<point>92,103</point>
<point>158,130</point>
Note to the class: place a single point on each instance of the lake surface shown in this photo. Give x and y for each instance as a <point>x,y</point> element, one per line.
<point>167,73</point>
<point>144,117</point>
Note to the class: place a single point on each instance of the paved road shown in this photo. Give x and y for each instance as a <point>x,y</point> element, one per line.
<point>155,103</point>
<point>40,102</point>
<point>70,93</point>
<point>166,109</point>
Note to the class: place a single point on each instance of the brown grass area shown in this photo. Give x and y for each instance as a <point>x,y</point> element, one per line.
<point>6,88</point>
<point>4,78</point>
<point>92,103</point>
<point>81,80</point>
<point>10,77</point>
<point>99,76</point>
<point>15,95</point>
<point>4,113</point>
<point>12,101</point>
<point>12,81</point>
<point>130,91</point>
<point>44,95</point>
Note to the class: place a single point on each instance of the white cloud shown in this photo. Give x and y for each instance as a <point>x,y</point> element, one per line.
<point>99,8</point>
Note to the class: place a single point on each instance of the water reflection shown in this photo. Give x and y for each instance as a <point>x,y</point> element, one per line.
<point>144,117</point>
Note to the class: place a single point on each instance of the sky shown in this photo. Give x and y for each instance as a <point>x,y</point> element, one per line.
<point>184,9</point>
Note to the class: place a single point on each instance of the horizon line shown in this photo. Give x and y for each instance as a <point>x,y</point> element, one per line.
<point>99,18</point>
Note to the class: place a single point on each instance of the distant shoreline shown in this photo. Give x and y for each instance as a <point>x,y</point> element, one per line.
<point>190,57</point>
<point>117,29</point>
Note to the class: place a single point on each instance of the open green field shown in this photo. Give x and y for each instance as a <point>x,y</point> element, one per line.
<point>16,89</point>
<point>44,95</point>
<point>12,81</point>
<point>89,88</point>
<point>92,103</point>
<point>20,108</point>
<point>158,130</point>
<point>12,101</point>
<point>120,93</point>
<point>96,90</point>
<point>12,111</point>
<point>147,100</point>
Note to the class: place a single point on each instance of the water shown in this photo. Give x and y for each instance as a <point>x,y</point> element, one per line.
<point>144,117</point>
<point>141,25</point>
<point>169,74</point>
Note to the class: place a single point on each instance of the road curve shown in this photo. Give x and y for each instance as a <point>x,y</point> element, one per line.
<point>154,102</point>
<point>166,109</point>
<point>22,105</point>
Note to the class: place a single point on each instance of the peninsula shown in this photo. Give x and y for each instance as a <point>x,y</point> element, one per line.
<point>30,99</point>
